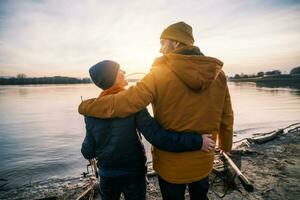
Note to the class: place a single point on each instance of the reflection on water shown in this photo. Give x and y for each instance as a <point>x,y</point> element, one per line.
<point>279,85</point>
<point>41,131</point>
<point>294,86</point>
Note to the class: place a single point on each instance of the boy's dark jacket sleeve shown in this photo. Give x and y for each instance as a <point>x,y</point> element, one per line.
<point>88,145</point>
<point>164,139</point>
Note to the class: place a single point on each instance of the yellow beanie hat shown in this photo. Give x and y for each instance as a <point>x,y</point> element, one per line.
<point>180,32</point>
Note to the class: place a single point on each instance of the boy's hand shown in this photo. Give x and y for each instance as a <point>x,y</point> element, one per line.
<point>208,143</point>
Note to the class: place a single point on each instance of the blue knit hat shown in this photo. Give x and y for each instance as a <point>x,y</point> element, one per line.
<point>104,73</point>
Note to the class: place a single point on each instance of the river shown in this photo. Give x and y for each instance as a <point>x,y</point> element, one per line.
<point>41,131</point>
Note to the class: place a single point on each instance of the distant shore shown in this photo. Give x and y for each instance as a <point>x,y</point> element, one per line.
<point>274,76</point>
<point>22,80</point>
<point>47,80</point>
<point>286,78</point>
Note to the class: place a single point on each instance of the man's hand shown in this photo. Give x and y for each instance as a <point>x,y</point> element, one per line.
<point>208,143</point>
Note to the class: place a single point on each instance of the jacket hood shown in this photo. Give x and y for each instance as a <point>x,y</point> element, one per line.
<point>194,69</point>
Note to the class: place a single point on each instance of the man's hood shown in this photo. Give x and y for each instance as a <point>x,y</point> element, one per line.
<point>196,71</point>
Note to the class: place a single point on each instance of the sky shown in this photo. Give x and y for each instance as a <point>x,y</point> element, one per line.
<point>66,37</point>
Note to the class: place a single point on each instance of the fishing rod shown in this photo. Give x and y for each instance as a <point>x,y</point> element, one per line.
<point>244,180</point>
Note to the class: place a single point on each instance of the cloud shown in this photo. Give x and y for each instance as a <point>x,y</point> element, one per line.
<point>66,37</point>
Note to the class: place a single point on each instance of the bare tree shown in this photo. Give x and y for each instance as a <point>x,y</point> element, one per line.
<point>21,76</point>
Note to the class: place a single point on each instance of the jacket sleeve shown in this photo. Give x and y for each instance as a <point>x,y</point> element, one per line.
<point>164,139</point>
<point>88,145</point>
<point>226,129</point>
<point>122,104</point>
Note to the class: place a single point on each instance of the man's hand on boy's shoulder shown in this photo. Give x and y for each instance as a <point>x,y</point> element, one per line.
<point>84,105</point>
<point>95,107</point>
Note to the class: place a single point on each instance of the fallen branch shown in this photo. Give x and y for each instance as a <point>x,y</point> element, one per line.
<point>266,138</point>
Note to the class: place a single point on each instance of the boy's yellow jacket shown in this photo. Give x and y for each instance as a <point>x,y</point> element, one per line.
<point>188,93</point>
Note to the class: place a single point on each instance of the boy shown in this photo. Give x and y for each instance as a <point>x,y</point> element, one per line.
<point>116,143</point>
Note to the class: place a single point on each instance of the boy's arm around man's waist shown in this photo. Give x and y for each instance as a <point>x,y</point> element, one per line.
<point>164,139</point>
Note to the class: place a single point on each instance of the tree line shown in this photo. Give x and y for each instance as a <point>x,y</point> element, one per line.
<point>294,71</point>
<point>22,79</point>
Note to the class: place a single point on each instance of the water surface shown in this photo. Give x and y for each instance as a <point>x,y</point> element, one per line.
<point>41,131</point>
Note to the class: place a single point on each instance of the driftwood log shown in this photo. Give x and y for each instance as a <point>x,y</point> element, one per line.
<point>266,138</point>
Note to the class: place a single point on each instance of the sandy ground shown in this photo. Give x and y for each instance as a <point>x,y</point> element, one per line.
<point>273,168</point>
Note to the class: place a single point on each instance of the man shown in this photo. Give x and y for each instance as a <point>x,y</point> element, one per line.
<point>188,92</point>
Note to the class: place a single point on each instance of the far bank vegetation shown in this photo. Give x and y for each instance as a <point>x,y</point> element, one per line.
<point>269,76</point>
<point>22,79</point>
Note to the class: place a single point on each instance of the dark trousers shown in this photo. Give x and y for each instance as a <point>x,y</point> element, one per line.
<point>133,188</point>
<point>198,190</point>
